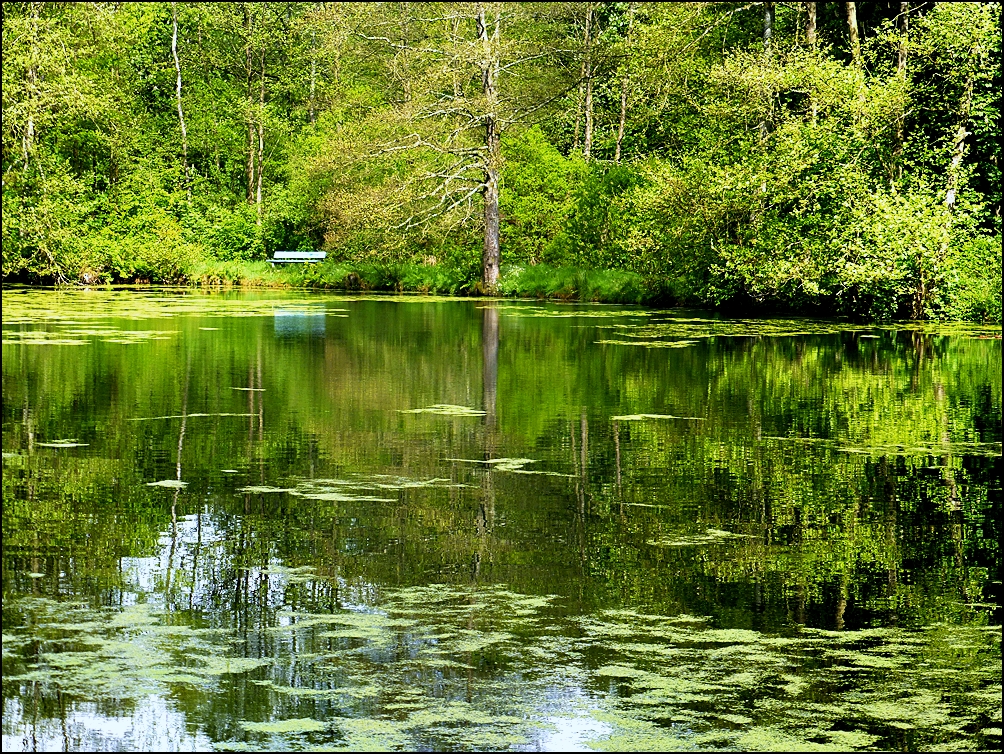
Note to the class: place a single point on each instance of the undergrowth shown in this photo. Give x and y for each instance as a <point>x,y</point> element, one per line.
<point>538,281</point>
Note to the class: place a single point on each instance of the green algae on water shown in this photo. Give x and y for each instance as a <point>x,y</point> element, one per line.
<point>444,409</point>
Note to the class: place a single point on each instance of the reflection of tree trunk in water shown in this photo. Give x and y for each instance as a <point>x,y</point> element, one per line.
<point>842,601</point>
<point>490,364</point>
<point>583,484</point>
<point>251,413</point>
<point>26,420</point>
<point>485,520</point>
<point>263,605</point>
<point>469,663</point>
<point>889,524</point>
<point>921,344</point>
<point>954,502</point>
<point>580,526</point>
<point>177,491</point>
<point>62,719</point>
<point>798,532</point>
<point>617,463</point>
<point>195,557</point>
<point>34,714</point>
<point>261,418</point>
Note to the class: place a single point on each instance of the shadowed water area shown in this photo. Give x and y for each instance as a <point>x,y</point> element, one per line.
<point>251,521</point>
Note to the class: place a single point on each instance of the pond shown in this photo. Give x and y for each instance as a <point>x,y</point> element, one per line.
<point>250,521</point>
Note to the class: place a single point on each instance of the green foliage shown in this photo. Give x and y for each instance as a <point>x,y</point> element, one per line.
<point>538,187</point>
<point>974,292</point>
<point>597,219</point>
<point>780,178</point>
<point>544,281</point>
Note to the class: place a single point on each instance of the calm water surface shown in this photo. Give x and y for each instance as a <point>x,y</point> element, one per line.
<point>295,521</point>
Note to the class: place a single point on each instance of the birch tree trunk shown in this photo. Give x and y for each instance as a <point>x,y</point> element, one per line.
<point>181,114</point>
<point>490,191</point>
<point>768,33</point>
<point>852,29</point>
<point>250,114</point>
<point>922,292</point>
<point>313,74</point>
<point>624,89</point>
<point>896,174</point>
<point>959,142</point>
<point>768,25</point>
<point>587,138</point>
<point>810,40</point>
<point>261,136</point>
<point>28,140</point>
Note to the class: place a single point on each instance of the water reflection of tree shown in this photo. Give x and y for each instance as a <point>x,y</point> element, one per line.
<point>814,386</point>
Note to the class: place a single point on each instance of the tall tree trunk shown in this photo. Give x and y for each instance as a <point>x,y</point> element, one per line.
<point>28,140</point>
<point>313,74</point>
<point>624,89</point>
<point>582,84</point>
<point>489,80</point>
<point>250,107</point>
<point>587,137</point>
<point>181,114</point>
<point>768,25</point>
<point>261,137</point>
<point>811,41</point>
<point>959,142</point>
<point>768,33</point>
<point>922,293</point>
<point>852,29</point>
<point>896,174</point>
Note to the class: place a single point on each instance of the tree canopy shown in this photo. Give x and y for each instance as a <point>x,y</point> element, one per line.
<point>832,157</point>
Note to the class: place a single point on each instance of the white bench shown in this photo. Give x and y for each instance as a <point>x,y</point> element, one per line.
<point>298,257</point>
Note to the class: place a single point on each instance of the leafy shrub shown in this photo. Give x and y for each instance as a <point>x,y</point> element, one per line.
<point>543,281</point>
<point>538,186</point>
<point>974,290</point>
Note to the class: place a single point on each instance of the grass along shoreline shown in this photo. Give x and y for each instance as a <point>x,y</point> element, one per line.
<point>540,281</point>
<point>537,281</point>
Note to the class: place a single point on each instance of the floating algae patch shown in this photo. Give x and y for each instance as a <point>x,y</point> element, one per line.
<point>481,666</point>
<point>444,409</point>
<point>513,465</point>
<point>74,336</point>
<point>539,312</point>
<point>182,416</point>
<point>172,484</point>
<point>708,537</point>
<point>696,328</point>
<point>643,417</point>
<point>649,343</point>
<point>39,338</point>
<point>294,725</point>
<point>992,449</point>
<point>122,655</point>
<point>954,329</point>
<point>69,307</point>
<point>680,677</point>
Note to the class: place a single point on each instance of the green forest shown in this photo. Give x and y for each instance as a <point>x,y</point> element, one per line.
<point>822,158</point>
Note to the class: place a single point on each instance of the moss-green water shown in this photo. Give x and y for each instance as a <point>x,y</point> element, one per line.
<point>453,525</point>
